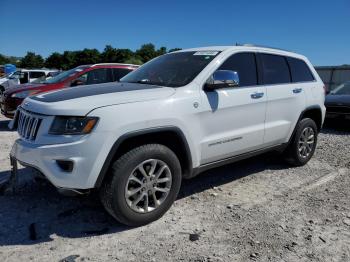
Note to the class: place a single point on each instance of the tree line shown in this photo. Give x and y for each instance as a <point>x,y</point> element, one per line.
<point>71,59</point>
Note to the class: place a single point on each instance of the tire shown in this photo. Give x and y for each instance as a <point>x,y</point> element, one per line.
<point>300,151</point>
<point>114,192</point>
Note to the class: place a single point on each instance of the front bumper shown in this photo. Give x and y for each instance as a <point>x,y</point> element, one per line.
<point>84,154</point>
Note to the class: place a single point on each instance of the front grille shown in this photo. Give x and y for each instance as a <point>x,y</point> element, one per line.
<point>28,125</point>
<point>338,109</point>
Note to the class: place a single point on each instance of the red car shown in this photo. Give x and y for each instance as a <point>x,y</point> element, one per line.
<point>81,75</point>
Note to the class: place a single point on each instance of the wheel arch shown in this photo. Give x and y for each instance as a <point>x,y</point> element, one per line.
<point>169,136</point>
<point>315,113</point>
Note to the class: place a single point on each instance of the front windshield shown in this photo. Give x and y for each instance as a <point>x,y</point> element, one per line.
<point>171,70</point>
<point>63,76</point>
<point>343,89</point>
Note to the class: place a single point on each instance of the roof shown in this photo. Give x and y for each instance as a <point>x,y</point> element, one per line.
<point>114,64</point>
<point>248,47</point>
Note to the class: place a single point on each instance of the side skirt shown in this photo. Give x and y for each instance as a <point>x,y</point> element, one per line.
<point>226,161</point>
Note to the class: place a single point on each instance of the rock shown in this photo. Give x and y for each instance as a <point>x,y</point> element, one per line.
<point>194,237</point>
<point>253,255</point>
<point>230,206</point>
<point>308,237</point>
<point>346,221</point>
<point>213,194</point>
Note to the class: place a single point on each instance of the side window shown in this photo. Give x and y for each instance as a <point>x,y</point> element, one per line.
<point>245,65</point>
<point>118,73</point>
<point>36,74</point>
<point>98,76</point>
<point>299,70</point>
<point>274,69</point>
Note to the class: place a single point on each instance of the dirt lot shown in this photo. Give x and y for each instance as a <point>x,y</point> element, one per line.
<point>258,210</point>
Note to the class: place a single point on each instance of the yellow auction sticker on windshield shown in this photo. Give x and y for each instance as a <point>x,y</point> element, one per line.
<point>212,53</point>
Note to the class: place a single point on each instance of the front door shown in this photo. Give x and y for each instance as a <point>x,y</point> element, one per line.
<point>232,119</point>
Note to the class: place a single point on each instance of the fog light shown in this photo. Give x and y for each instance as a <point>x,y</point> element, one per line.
<point>65,165</point>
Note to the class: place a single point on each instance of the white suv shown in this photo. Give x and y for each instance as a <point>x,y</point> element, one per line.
<point>177,115</point>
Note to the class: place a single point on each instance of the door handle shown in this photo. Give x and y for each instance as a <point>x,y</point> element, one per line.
<point>297,90</point>
<point>257,95</point>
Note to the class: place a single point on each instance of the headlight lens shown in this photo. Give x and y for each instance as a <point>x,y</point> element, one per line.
<point>24,94</point>
<point>72,125</point>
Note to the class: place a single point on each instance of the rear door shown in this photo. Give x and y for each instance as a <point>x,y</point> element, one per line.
<point>232,120</point>
<point>285,100</point>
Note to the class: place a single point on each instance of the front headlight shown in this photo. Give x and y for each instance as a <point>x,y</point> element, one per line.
<point>24,94</point>
<point>72,125</point>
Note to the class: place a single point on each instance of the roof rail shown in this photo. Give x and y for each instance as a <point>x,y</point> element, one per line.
<point>114,64</point>
<point>263,46</point>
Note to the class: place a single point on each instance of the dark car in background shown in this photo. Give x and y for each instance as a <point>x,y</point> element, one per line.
<point>81,75</point>
<point>333,76</point>
<point>338,102</point>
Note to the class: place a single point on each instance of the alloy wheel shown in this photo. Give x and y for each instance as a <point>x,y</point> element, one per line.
<point>306,142</point>
<point>148,186</point>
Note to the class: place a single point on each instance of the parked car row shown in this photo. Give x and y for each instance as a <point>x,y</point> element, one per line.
<point>81,75</point>
<point>24,76</point>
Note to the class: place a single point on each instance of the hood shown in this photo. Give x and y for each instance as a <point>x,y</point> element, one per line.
<point>337,100</point>
<point>81,100</point>
<point>24,87</point>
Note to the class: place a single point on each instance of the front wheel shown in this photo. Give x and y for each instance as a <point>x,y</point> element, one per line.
<point>303,144</point>
<point>142,185</point>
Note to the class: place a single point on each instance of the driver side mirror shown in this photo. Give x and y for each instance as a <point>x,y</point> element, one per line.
<point>222,79</point>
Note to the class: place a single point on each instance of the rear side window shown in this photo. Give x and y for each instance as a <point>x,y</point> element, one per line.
<point>244,64</point>
<point>299,70</point>
<point>98,76</point>
<point>119,73</point>
<point>275,69</point>
<point>36,74</point>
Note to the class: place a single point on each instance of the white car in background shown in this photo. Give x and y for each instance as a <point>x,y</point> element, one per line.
<point>24,76</point>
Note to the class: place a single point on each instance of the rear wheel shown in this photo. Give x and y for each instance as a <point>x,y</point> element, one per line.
<point>142,185</point>
<point>303,144</point>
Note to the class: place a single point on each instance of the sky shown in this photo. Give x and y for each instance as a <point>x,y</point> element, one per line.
<point>319,29</point>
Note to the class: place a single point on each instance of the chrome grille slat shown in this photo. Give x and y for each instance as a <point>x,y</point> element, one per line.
<point>28,125</point>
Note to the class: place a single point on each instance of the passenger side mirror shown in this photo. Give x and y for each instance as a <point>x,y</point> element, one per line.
<point>222,79</point>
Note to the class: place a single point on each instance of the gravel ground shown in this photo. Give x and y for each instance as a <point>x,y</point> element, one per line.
<point>258,210</point>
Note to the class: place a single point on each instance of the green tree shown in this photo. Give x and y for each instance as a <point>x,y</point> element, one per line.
<point>87,56</point>
<point>174,49</point>
<point>133,60</point>
<point>55,60</point>
<point>161,51</point>
<point>31,60</point>
<point>146,52</point>
<point>68,60</point>
<point>109,54</point>
<point>4,60</point>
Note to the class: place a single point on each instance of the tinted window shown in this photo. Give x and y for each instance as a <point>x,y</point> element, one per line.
<point>98,76</point>
<point>120,72</point>
<point>340,76</point>
<point>36,74</point>
<point>275,69</point>
<point>299,70</point>
<point>244,64</point>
